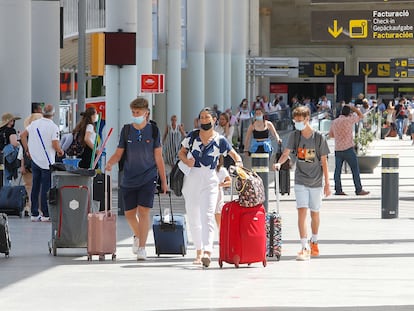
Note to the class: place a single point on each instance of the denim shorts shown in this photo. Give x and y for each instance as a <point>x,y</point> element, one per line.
<point>307,197</point>
<point>142,196</point>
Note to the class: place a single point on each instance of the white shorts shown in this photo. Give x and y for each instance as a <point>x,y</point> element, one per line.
<point>307,197</point>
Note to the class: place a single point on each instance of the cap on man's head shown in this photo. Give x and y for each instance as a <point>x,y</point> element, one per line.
<point>6,118</point>
<point>48,110</point>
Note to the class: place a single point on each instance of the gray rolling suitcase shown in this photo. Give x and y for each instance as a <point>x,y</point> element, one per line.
<point>70,200</point>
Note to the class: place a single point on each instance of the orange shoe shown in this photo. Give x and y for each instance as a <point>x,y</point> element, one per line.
<point>303,255</point>
<point>314,249</point>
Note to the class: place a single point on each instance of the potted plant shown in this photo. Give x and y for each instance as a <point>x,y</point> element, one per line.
<point>362,140</point>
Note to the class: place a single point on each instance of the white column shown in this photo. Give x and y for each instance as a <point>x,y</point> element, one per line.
<point>265,39</point>
<point>15,58</point>
<point>228,13</point>
<point>144,41</point>
<point>214,53</point>
<point>253,41</point>
<point>193,76</point>
<point>240,30</point>
<point>169,62</point>
<point>121,83</point>
<point>173,76</point>
<point>160,107</point>
<point>45,26</point>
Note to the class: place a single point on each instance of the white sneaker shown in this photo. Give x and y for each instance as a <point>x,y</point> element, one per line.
<point>45,219</point>
<point>141,254</point>
<point>135,244</point>
<point>36,218</point>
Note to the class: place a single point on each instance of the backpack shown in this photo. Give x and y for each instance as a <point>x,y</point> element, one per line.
<point>76,148</point>
<point>402,112</point>
<point>125,129</point>
<point>318,143</point>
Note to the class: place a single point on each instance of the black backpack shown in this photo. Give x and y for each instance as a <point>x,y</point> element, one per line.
<point>76,148</point>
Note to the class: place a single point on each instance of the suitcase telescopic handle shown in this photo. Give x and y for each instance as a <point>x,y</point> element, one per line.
<point>171,209</point>
<point>107,194</point>
<point>277,189</point>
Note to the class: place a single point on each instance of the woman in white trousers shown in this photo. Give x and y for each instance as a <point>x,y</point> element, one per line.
<point>200,151</point>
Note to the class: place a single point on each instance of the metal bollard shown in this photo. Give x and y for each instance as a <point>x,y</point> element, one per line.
<point>121,204</point>
<point>260,165</point>
<point>389,186</point>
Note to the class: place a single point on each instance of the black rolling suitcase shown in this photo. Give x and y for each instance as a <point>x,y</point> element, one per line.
<point>13,200</point>
<point>284,173</point>
<point>4,235</point>
<point>99,190</point>
<point>274,227</point>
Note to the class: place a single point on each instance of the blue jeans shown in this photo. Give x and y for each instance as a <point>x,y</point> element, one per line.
<point>7,179</point>
<point>41,183</point>
<point>400,125</point>
<point>350,157</point>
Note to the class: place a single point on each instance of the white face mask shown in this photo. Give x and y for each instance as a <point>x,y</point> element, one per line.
<point>95,118</point>
<point>300,126</point>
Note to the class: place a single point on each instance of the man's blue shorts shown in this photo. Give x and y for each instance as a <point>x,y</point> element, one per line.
<point>142,196</point>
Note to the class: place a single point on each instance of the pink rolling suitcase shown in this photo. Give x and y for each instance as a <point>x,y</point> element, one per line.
<point>102,230</point>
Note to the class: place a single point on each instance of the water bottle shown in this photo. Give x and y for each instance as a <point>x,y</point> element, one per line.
<point>167,215</point>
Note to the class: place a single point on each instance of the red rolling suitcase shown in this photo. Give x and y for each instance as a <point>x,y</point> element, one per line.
<point>102,229</point>
<point>242,234</point>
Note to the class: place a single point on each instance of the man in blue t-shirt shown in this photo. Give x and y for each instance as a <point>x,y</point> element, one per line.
<point>143,163</point>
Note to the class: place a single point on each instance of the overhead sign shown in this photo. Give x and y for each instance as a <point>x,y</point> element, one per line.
<point>320,69</point>
<point>152,83</point>
<point>375,69</point>
<point>272,67</point>
<point>350,1</point>
<point>402,68</point>
<point>380,25</point>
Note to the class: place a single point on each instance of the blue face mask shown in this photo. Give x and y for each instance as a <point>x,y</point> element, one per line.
<point>138,120</point>
<point>300,126</point>
<point>259,118</point>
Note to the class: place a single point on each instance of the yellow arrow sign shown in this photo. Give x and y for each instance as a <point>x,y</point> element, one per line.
<point>335,32</point>
<point>367,71</point>
<point>336,70</point>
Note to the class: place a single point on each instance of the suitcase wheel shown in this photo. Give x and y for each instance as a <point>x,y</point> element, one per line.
<point>113,257</point>
<point>264,263</point>
<point>236,261</point>
<point>101,257</point>
<point>6,254</point>
<point>89,257</point>
<point>52,247</point>
<point>183,250</point>
<point>220,262</point>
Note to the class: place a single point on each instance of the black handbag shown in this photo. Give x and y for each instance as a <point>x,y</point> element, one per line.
<point>176,180</point>
<point>176,175</point>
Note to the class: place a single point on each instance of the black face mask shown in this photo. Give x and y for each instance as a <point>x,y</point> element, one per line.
<point>206,126</point>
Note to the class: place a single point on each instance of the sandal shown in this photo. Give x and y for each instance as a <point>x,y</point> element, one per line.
<point>197,260</point>
<point>206,261</point>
